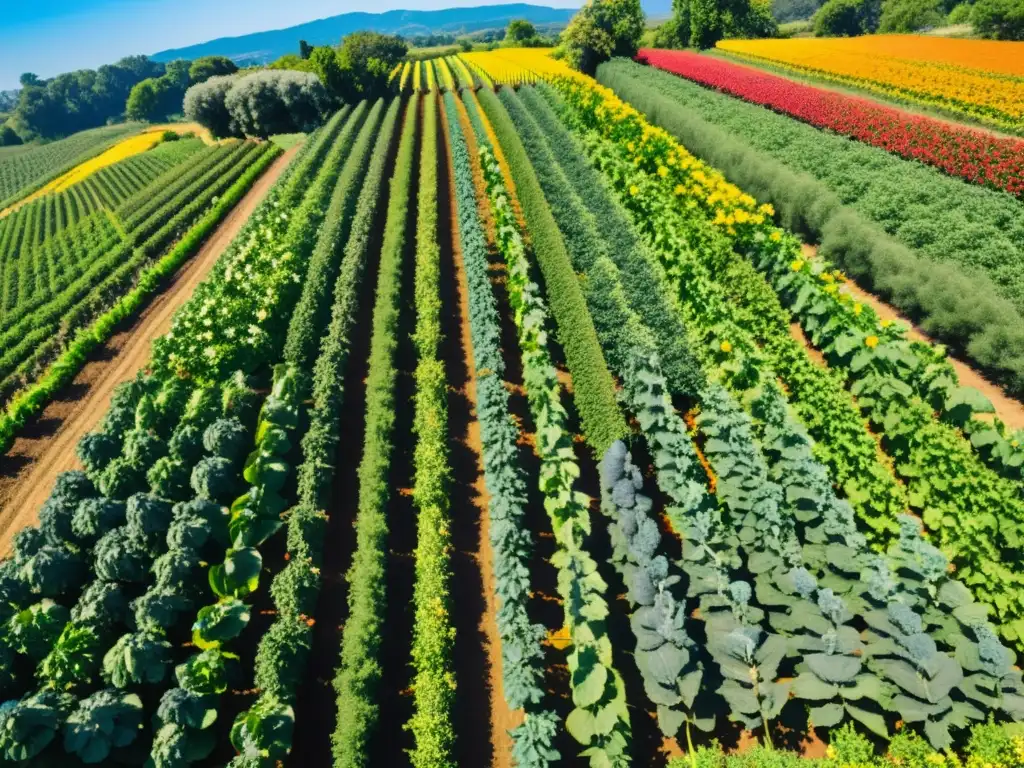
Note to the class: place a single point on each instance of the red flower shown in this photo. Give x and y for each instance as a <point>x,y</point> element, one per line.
<point>975,156</point>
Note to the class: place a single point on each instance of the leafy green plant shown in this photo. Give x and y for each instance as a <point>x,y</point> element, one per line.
<point>27,726</point>
<point>137,658</point>
<point>105,721</point>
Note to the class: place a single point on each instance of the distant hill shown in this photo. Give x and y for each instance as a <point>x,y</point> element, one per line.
<point>262,47</point>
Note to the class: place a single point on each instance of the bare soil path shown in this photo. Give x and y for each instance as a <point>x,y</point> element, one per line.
<point>46,446</point>
<point>1009,410</point>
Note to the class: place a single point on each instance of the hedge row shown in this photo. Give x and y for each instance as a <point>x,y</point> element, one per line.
<point>593,386</point>
<point>359,670</point>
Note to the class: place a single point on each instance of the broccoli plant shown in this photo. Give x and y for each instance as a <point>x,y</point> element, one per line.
<point>239,400</point>
<point>121,413</point>
<point>665,653</point>
<point>73,485</point>
<point>106,720</point>
<point>53,572</point>
<point>103,605</point>
<point>203,407</point>
<point>171,401</point>
<point>55,516</point>
<point>216,624</point>
<point>148,518</point>
<point>26,543</point>
<point>120,556</point>
<point>214,478</point>
<point>74,660</point>
<point>176,746</point>
<point>186,444</point>
<point>14,589</point>
<point>991,677</point>
<point>137,658</point>
<point>142,449</point>
<point>187,709</point>
<point>281,657</point>
<point>169,478</point>
<point>97,516</point>
<point>176,570</point>
<point>160,608</point>
<point>227,438</point>
<point>190,533</point>
<point>121,479</point>
<point>748,659</point>
<point>96,450</point>
<point>28,726</point>
<point>264,730</point>
<point>922,677</point>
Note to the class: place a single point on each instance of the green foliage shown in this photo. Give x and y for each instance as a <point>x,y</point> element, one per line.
<point>910,15</point>
<point>27,726</point>
<point>999,19</point>
<point>136,659</point>
<point>358,672</point>
<point>847,18</point>
<point>106,720</point>
<point>311,314</point>
<point>593,387</point>
<point>506,484</point>
<point>960,14</point>
<point>600,30</point>
<point>202,69</point>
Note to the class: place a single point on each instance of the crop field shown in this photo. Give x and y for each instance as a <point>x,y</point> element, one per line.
<point>26,168</point>
<point>509,430</point>
<point>979,79</point>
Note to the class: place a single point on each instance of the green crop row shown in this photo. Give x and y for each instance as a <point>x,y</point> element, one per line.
<point>600,721</point>
<point>313,307</point>
<point>358,673</point>
<point>511,540</point>
<point>593,387</point>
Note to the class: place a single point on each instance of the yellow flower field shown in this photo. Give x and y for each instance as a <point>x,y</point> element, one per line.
<point>125,149</point>
<point>982,79</point>
<point>516,65</point>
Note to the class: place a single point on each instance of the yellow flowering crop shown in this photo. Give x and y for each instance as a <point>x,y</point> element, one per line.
<point>120,151</point>
<point>461,72</point>
<point>519,65</point>
<point>431,82</point>
<point>417,81</point>
<point>444,75</point>
<point>983,79</point>
<point>404,81</point>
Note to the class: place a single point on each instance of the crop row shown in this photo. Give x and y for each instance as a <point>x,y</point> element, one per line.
<point>511,541</point>
<point>954,236</point>
<point>977,157</point>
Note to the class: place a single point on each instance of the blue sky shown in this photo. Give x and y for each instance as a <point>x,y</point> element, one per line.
<point>53,36</point>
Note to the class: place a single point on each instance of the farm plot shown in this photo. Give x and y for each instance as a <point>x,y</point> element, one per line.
<point>941,250</point>
<point>487,442</point>
<point>64,293</point>
<point>24,169</point>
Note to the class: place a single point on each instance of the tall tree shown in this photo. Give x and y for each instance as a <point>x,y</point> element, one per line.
<point>204,68</point>
<point>602,29</point>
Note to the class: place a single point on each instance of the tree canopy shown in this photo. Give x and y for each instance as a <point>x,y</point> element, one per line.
<point>210,66</point>
<point>602,29</point>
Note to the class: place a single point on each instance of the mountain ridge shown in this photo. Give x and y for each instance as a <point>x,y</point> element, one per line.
<point>261,47</point>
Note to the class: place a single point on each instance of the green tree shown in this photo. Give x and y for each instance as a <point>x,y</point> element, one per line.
<point>210,66</point>
<point>145,102</point>
<point>713,20</point>
<point>999,19</point>
<point>29,78</point>
<point>8,137</point>
<point>847,18</point>
<point>305,49</point>
<point>519,30</point>
<point>600,30</point>
<point>327,67</point>
<point>465,44</point>
<point>909,15</point>
<point>367,59</point>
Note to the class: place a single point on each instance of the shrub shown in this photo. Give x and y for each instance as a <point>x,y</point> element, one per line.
<point>204,68</point>
<point>602,29</point>
<point>270,102</point>
<point>961,14</point>
<point>999,19</point>
<point>847,18</point>
<point>204,104</point>
<point>909,15</point>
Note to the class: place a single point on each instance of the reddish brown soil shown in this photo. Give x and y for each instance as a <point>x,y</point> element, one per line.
<point>46,446</point>
<point>1009,410</point>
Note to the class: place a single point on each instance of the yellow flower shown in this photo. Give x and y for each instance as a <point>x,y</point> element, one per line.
<point>1014,443</point>
<point>886,323</point>
<point>680,189</point>
<point>830,752</point>
<point>634,190</point>
<point>662,171</point>
<point>871,341</point>
<point>826,277</point>
<point>797,265</point>
<point>775,236</point>
<point>857,308</point>
<point>767,209</point>
<point>725,346</point>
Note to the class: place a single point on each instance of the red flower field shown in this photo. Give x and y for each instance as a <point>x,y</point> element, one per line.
<point>972,155</point>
